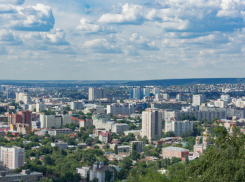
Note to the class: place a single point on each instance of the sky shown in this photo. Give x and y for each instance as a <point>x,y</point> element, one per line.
<point>121,39</point>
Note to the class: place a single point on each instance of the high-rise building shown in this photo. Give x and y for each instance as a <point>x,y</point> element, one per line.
<point>40,107</point>
<point>12,157</point>
<point>24,117</point>
<point>152,123</point>
<point>138,146</point>
<point>156,90</point>
<point>165,96</point>
<point>197,100</point>
<point>180,97</point>
<point>145,92</point>
<point>96,93</point>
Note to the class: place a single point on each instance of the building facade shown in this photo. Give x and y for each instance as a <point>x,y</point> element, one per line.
<point>96,93</point>
<point>170,152</point>
<point>178,127</point>
<point>197,100</point>
<point>12,157</point>
<point>152,124</point>
<point>122,109</point>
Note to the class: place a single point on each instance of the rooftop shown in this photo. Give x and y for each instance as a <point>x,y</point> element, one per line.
<point>175,148</point>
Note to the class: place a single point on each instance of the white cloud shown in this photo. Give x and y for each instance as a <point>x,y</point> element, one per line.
<point>30,18</point>
<point>87,26</point>
<point>141,42</point>
<point>102,46</point>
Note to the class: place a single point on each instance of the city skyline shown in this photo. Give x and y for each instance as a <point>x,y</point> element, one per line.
<point>121,40</point>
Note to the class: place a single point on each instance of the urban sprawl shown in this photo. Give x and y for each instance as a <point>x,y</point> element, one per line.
<point>112,133</point>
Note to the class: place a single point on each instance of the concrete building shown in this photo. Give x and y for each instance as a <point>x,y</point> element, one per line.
<point>135,93</point>
<point>178,127</point>
<point>83,171</point>
<point>61,145</point>
<point>40,107</point>
<point>56,132</point>
<point>152,124</point>
<point>165,96</point>
<point>170,152</point>
<point>145,92</point>
<point>19,97</point>
<point>12,157</point>
<point>180,97</point>
<point>119,128</point>
<point>86,123</point>
<point>122,109</point>
<point>138,144</point>
<point>25,175</point>
<point>98,171</point>
<point>220,103</point>
<point>47,121</point>
<point>156,91</point>
<point>25,129</point>
<point>197,100</point>
<point>96,93</point>
<point>24,117</point>
<point>76,105</point>
<point>123,149</point>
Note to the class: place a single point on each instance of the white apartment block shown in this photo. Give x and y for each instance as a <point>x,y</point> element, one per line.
<point>19,97</point>
<point>156,91</point>
<point>138,145</point>
<point>47,121</point>
<point>145,92</point>
<point>76,105</point>
<point>220,103</point>
<point>83,171</point>
<point>56,132</point>
<point>98,171</point>
<point>197,100</point>
<point>209,115</point>
<point>12,157</point>
<point>122,109</point>
<point>152,124</point>
<point>119,128</point>
<point>40,107</point>
<point>165,96</point>
<point>178,127</point>
<point>96,93</point>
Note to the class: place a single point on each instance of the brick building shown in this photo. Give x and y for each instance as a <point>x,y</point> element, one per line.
<point>170,152</point>
<point>24,117</point>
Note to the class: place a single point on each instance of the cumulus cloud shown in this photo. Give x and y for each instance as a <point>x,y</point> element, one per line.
<point>16,2</point>
<point>87,26</point>
<point>9,38</point>
<point>102,46</point>
<point>30,18</point>
<point>141,42</point>
<point>182,15</point>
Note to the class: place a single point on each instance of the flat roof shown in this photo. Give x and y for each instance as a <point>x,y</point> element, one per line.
<point>175,148</point>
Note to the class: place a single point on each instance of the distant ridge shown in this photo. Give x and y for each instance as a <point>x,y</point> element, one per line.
<point>99,83</point>
<point>191,81</point>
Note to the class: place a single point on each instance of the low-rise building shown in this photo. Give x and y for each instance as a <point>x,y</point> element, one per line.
<point>25,129</point>
<point>105,137</point>
<point>83,171</point>
<point>123,149</point>
<point>170,152</point>
<point>86,123</point>
<point>119,128</point>
<point>25,175</point>
<point>97,171</point>
<point>55,132</point>
<point>61,145</point>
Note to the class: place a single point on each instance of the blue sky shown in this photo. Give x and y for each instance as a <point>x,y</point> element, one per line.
<point>121,39</point>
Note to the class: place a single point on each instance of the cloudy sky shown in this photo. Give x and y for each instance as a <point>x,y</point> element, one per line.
<point>121,39</point>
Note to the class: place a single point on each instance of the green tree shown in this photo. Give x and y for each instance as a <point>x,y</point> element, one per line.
<point>115,150</point>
